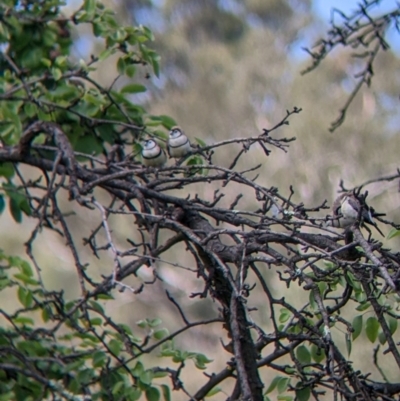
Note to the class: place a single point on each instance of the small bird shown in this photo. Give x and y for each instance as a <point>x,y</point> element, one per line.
<point>274,208</point>
<point>178,143</point>
<point>347,209</point>
<point>152,154</point>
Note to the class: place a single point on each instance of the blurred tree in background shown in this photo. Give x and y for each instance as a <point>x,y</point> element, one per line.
<point>215,275</point>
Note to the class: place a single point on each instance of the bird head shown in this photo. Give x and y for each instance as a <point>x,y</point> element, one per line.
<point>149,144</point>
<point>175,132</point>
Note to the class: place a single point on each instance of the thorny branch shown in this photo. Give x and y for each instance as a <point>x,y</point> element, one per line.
<point>363,33</point>
<point>248,246</point>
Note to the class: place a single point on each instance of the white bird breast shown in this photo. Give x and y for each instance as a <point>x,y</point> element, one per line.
<point>178,146</point>
<point>346,214</point>
<point>350,209</point>
<point>153,155</point>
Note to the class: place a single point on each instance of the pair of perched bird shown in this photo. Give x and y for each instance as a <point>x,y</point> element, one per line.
<point>178,145</point>
<point>347,209</point>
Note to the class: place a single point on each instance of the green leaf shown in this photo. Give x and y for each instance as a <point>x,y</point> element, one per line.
<point>371,328</point>
<point>195,161</point>
<point>121,65</point>
<point>4,282</point>
<point>85,375</point>
<point>313,302</point>
<point>159,334</point>
<point>159,374</point>
<point>213,391</point>
<point>73,386</point>
<point>155,62</point>
<point>284,315</point>
<point>167,122</point>
<point>149,34</point>
<point>25,279</point>
<point>392,324</point>
<point>138,369</point>
<point>133,88</point>
<point>303,394</point>
<point>322,288</point>
<point>117,387</point>
<point>303,355</point>
<point>342,281</point>
<point>46,62</point>
<point>17,202</point>
<point>357,326</point>
<point>87,108</point>
<point>115,347</point>
<point>23,320</point>
<point>200,142</point>
<point>142,324</point>
<point>99,359</point>
<point>90,7</point>
<point>22,295</point>
<point>126,329</point>
<point>154,322</point>
<point>15,210</point>
<point>73,366</point>
<point>146,377</point>
<point>363,306</point>
<point>7,170</point>
<point>130,70</point>
<point>152,394</point>
<point>273,384</point>
<point>61,61</point>
<point>160,134</point>
<point>360,296</point>
<point>118,36</point>
<point>104,296</point>
<point>132,394</point>
<point>26,268</point>
<point>98,29</point>
<point>46,314</point>
<point>290,370</point>
<point>106,53</point>
<point>317,354</point>
<point>57,73</point>
<point>166,392</point>
<point>96,306</point>
<point>353,281</point>
<point>201,361</point>
<point>88,145</point>
<point>24,205</point>
<point>348,343</point>
<point>393,233</point>
<point>283,384</point>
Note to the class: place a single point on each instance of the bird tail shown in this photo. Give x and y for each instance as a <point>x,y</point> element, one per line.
<point>332,223</point>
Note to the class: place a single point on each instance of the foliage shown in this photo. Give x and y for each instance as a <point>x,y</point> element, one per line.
<point>75,135</point>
